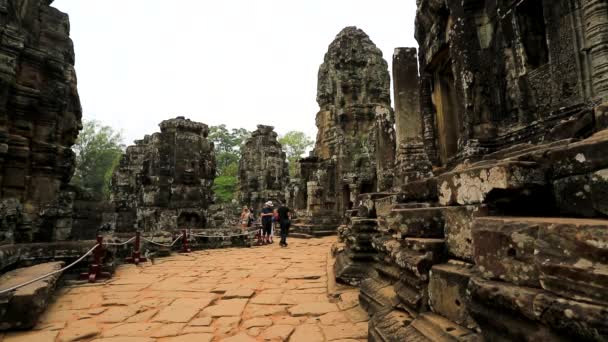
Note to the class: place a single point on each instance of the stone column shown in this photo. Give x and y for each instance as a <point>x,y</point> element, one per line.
<point>412,160</point>
<point>595,14</point>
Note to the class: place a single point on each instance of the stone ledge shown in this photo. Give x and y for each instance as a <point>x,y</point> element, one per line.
<point>22,308</point>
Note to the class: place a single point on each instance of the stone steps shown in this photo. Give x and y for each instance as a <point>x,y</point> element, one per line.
<point>377,295</point>
<point>398,326</point>
<point>22,308</point>
<point>389,326</point>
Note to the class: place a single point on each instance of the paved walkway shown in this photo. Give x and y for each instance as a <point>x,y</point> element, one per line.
<point>253,294</point>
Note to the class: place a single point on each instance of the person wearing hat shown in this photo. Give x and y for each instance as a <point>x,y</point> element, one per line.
<point>266,215</point>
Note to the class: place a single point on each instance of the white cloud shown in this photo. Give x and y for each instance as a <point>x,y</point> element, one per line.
<point>238,62</point>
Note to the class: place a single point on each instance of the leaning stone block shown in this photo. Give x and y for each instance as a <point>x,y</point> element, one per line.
<point>504,249</point>
<point>447,292</point>
<point>22,308</point>
<point>471,186</point>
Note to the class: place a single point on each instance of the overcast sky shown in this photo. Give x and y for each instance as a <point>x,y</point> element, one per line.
<point>237,62</point>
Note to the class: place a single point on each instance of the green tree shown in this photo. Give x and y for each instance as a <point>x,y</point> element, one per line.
<point>227,146</point>
<point>227,154</point>
<point>295,144</point>
<point>98,150</point>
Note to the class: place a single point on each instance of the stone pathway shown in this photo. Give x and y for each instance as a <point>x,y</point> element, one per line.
<point>252,294</point>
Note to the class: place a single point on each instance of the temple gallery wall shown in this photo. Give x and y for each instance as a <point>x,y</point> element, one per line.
<point>467,186</point>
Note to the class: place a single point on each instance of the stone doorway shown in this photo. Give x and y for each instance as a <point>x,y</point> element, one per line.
<point>448,105</point>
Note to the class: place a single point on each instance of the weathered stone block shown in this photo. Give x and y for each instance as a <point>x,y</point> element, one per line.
<point>413,293</point>
<point>506,312</point>
<point>389,326</point>
<point>504,249</point>
<point>22,308</point>
<point>418,191</point>
<point>350,271</point>
<point>447,292</point>
<point>417,222</point>
<point>573,196</point>
<point>436,328</point>
<point>580,157</point>
<point>458,229</point>
<point>471,186</point>
<point>572,258</point>
<point>576,319</point>
<point>377,295</point>
<point>583,195</point>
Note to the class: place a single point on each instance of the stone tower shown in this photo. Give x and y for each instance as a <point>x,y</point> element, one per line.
<point>355,147</point>
<point>40,116</point>
<point>263,171</point>
<point>164,181</point>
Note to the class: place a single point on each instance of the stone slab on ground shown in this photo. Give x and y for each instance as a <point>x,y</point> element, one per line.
<point>22,308</point>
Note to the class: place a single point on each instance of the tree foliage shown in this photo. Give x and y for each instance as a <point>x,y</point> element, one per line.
<point>227,154</point>
<point>295,144</point>
<point>98,150</point>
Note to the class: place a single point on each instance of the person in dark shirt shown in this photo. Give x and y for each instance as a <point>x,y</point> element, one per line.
<point>284,223</point>
<point>266,216</point>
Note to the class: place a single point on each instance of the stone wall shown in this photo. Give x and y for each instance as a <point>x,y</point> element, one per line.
<point>263,171</point>
<point>500,73</point>
<point>40,116</point>
<point>164,181</point>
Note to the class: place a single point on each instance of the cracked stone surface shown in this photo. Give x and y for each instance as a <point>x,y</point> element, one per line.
<point>253,294</point>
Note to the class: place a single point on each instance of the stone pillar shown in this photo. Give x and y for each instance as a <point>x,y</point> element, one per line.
<point>407,95</point>
<point>412,161</point>
<point>595,14</point>
<point>314,198</point>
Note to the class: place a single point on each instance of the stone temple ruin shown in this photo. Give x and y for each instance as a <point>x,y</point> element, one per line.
<point>496,225</point>
<point>475,210</point>
<point>40,117</point>
<point>355,146</point>
<point>164,181</point>
<point>263,172</point>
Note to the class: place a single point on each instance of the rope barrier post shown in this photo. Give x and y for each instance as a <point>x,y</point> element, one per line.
<point>95,269</point>
<point>136,257</point>
<point>185,247</point>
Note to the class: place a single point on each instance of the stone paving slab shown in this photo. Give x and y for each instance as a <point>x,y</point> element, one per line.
<point>264,293</point>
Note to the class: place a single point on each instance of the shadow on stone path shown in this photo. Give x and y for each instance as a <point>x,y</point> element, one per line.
<point>263,293</point>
